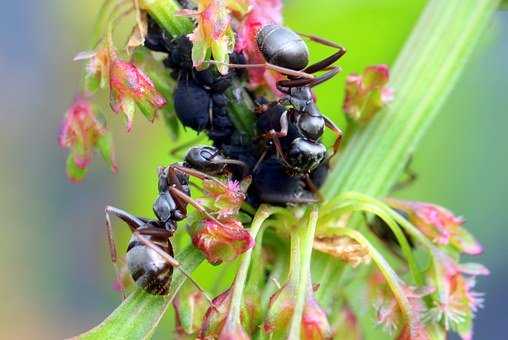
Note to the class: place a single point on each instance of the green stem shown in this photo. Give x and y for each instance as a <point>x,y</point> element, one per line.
<point>307,239</point>
<point>165,13</point>
<point>241,276</point>
<point>424,74</point>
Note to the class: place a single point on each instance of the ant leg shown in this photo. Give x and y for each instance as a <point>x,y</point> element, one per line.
<point>283,70</point>
<point>133,222</point>
<point>411,177</point>
<point>337,131</point>
<point>182,198</point>
<point>313,188</point>
<point>173,179</point>
<point>162,234</point>
<point>263,155</point>
<point>288,83</point>
<point>327,61</point>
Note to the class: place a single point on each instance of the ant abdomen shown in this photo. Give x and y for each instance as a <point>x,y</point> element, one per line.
<point>148,268</point>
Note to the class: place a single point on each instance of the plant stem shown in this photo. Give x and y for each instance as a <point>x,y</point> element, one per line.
<point>307,240</point>
<point>424,74</point>
<point>165,13</point>
<point>241,276</point>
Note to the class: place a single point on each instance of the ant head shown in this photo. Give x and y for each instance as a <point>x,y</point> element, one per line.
<point>206,159</point>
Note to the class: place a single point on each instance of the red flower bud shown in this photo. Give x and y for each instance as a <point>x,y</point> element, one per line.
<point>368,93</point>
<point>221,242</point>
<point>439,224</point>
<point>83,133</point>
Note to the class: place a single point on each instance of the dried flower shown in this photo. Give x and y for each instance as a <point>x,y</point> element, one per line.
<point>190,307</point>
<point>220,242</point>
<point>439,225</point>
<point>344,248</point>
<point>368,93</point>
<point>263,12</point>
<point>213,32</point>
<point>83,133</point>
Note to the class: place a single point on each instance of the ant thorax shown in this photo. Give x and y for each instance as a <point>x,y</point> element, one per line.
<point>300,98</point>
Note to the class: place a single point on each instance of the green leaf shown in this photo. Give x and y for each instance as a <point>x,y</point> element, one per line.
<point>163,11</point>
<point>140,313</point>
<point>105,146</point>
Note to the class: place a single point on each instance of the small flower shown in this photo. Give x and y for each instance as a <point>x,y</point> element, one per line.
<point>439,224</point>
<point>457,302</point>
<point>263,12</point>
<point>220,242</point>
<point>344,248</point>
<point>190,307</point>
<point>388,312</point>
<point>367,94</point>
<point>83,133</point>
<point>129,85</point>
<point>213,32</point>
<point>226,200</point>
<point>281,307</point>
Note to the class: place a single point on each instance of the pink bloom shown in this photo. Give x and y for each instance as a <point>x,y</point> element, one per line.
<point>439,225</point>
<point>226,200</point>
<point>368,93</point>
<point>221,243</point>
<point>263,12</point>
<point>83,133</point>
<point>130,87</point>
<point>213,32</point>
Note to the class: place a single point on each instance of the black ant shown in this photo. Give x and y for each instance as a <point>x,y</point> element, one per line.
<point>150,257</point>
<point>286,52</point>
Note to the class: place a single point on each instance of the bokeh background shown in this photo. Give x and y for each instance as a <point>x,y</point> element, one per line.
<point>55,275</point>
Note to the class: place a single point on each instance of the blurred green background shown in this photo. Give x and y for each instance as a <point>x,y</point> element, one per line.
<point>55,272</point>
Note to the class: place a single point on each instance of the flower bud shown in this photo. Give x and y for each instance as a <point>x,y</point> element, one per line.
<point>280,310</point>
<point>439,224</point>
<point>190,307</point>
<point>226,200</point>
<point>220,242</point>
<point>83,133</point>
<point>216,324</point>
<point>368,93</point>
<point>130,87</point>
<point>213,33</point>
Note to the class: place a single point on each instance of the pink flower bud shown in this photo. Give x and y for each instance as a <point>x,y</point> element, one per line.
<point>221,242</point>
<point>83,133</point>
<point>190,307</point>
<point>130,87</point>
<point>226,200</point>
<point>368,93</point>
<point>439,224</point>
<point>213,33</point>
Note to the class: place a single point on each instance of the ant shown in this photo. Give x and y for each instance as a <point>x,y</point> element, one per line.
<point>287,53</point>
<point>150,257</point>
